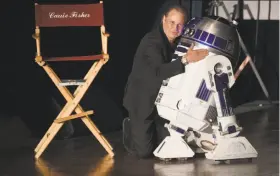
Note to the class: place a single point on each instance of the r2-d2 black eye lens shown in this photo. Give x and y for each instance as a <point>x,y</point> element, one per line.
<point>218,68</point>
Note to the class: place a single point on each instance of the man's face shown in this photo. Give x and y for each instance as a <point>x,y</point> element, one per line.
<point>173,24</point>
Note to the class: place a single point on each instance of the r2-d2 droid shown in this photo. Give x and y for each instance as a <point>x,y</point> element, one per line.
<point>197,102</point>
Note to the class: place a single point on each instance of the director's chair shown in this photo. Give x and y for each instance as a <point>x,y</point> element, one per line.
<point>71,15</point>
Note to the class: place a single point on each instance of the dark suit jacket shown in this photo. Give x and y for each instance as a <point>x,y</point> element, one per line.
<point>151,66</point>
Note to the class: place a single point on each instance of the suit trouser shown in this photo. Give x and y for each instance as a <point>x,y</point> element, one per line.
<point>147,133</point>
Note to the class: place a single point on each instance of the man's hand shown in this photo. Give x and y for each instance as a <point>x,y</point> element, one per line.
<point>194,55</point>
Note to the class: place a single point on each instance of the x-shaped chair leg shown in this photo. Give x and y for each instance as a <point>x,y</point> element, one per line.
<point>71,105</point>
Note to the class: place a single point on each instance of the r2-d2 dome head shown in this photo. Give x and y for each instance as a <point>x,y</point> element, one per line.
<point>216,34</point>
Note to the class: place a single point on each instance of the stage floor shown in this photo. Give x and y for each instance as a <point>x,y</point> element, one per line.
<point>84,156</point>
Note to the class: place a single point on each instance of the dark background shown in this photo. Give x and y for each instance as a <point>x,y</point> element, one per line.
<point>27,91</point>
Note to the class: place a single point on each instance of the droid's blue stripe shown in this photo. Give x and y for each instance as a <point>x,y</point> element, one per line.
<point>197,33</point>
<point>221,82</point>
<point>210,39</point>
<point>204,43</point>
<point>203,93</point>
<point>223,103</point>
<point>203,36</point>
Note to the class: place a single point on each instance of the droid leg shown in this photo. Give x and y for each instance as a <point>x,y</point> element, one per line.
<point>228,145</point>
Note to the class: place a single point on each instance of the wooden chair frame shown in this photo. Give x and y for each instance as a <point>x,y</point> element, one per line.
<point>72,100</point>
